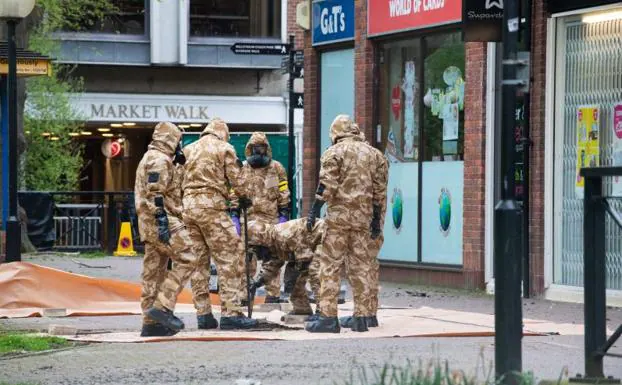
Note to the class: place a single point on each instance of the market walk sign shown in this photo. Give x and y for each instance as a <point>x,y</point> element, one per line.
<point>482,20</point>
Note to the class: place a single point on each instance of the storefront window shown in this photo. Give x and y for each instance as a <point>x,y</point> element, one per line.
<point>233,18</point>
<point>128,18</point>
<point>588,132</point>
<point>421,100</point>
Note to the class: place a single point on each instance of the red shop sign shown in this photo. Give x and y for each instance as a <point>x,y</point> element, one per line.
<point>390,16</point>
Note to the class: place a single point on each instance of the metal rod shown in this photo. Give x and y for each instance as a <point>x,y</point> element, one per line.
<point>507,267</point>
<point>5,151</point>
<point>291,142</point>
<point>594,276</point>
<point>612,340</point>
<point>13,230</point>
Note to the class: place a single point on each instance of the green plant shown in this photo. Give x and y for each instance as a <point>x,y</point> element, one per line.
<point>19,342</point>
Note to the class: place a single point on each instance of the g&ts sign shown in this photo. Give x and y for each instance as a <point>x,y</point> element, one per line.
<point>391,16</point>
<point>333,21</point>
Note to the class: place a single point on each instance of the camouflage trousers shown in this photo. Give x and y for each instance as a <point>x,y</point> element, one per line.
<point>160,287</point>
<point>270,270</point>
<point>213,235</point>
<point>371,302</point>
<point>348,248</point>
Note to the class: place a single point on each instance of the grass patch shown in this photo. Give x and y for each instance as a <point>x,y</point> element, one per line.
<point>93,254</point>
<point>11,343</point>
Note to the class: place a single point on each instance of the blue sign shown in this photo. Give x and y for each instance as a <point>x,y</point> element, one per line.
<point>333,21</point>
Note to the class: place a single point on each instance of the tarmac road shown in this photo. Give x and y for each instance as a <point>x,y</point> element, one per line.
<point>288,362</point>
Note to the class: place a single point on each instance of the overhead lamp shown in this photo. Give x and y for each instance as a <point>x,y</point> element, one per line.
<point>116,125</point>
<point>103,129</point>
<point>55,138</point>
<point>45,134</point>
<point>601,17</point>
<point>86,133</point>
<point>108,135</point>
<point>196,125</point>
<point>74,134</point>
<point>129,124</point>
<point>184,126</point>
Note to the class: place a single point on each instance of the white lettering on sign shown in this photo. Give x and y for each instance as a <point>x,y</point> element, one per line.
<point>333,22</point>
<point>174,113</point>
<point>429,5</point>
<point>400,7</point>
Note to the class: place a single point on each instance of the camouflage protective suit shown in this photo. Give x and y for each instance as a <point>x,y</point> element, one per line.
<point>292,237</point>
<point>350,185</point>
<point>269,192</point>
<point>212,169</point>
<point>156,190</point>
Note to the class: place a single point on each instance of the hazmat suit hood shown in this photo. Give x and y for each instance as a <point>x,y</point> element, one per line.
<point>343,127</point>
<point>165,138</point>
<point>258,151</point>
<point>218,128</point>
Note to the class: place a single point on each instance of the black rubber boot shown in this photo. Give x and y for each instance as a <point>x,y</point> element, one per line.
<point>324,325</point>
<point>346,322</point>
<point>207,321</point>
<point>273,299</point>
<point>156,330</point>
<point>237,322</point>
<point>359,324</point>
<point>314,317</point>
<point>166,318</point>
<point>372,322</point>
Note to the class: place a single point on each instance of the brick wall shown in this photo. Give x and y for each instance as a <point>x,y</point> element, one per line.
<point>364,72</point>
<point>536,183</point>
<point>474,165</point>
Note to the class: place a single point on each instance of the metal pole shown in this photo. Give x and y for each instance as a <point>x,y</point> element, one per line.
<point>13,236</point>
<point>508,304</point>
<point>594,276</point>
<point>5,150</point>
<point>291,145</point>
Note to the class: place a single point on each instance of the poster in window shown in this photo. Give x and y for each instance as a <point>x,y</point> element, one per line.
<point>408,86</point>
<point>588,123</point>
<point>616,188</point>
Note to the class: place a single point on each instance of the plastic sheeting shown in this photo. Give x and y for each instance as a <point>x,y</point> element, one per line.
<point>26,290</point>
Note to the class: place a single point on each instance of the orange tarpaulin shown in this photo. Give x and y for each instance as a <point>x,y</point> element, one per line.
<point>27,289</point>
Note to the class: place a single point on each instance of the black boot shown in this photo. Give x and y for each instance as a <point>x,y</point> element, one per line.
<point>372,321</point>
<point>272,299</point>
<point>314,317</point>
<point>346,322</point>
<point>207,321</point>
<point>323,325</point>
<point>166,318</point>
<point>156,330</point>
<point>237,322</point>
<point>359,324</point>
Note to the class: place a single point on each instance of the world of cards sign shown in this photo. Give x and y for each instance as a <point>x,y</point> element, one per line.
<point>260,49</point>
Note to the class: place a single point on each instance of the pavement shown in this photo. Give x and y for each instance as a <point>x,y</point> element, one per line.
<point>288,362</point>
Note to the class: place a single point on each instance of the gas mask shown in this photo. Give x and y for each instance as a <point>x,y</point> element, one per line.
<point>259,156</point>
<point>179,158</point>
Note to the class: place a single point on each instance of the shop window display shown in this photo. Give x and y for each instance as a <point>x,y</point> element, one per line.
<point>129,18</point>
<point>233,18</point>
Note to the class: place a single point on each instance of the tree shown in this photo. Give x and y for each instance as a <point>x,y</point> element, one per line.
<point>51,164</point>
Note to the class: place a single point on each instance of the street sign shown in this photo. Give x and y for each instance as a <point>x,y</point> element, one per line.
<point>299,57</point>
<point>298,99</point>
<point>299,72</point>
<point>28,67</point>
<point>260,49</point>
<point>482,20</point>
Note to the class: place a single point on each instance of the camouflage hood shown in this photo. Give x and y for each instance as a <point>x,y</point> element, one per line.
<point>343,127</point>
<point>257,138</point>
<point>218,128</point>
<point>166,137</point>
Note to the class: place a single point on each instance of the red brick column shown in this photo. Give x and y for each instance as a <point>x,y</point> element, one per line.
<point>363,72</point>
<point>536,182</point>
<point>474,165</point>
<point>311,120</point>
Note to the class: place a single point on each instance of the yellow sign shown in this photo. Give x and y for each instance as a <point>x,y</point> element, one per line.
<point>588,151</point>
<point>125,247</point>
<point>28,67</point>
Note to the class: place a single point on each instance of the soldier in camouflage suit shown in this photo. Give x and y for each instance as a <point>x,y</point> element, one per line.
<point>283,239</point>
<point>350,184</point>
<point>266,181</point>
<point>374,245</point>
<point>158,206</point>
<point>212,171</point>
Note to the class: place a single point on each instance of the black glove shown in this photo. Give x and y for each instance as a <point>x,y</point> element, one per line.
<point>314,213</point>
<point>374,227</point>
<point>263,253</point>
<point>179,158</point>
<point>254,285</point>
<point>244,203</point>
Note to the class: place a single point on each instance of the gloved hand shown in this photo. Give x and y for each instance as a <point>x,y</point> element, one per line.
<point>180,157</point>
<point>283,215</point>
<point>254,285</point>
<point>314,213</point>
<point>244,203</point>
<point>162,223</point>
<point>236,222</point>
<point>374,227</point>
